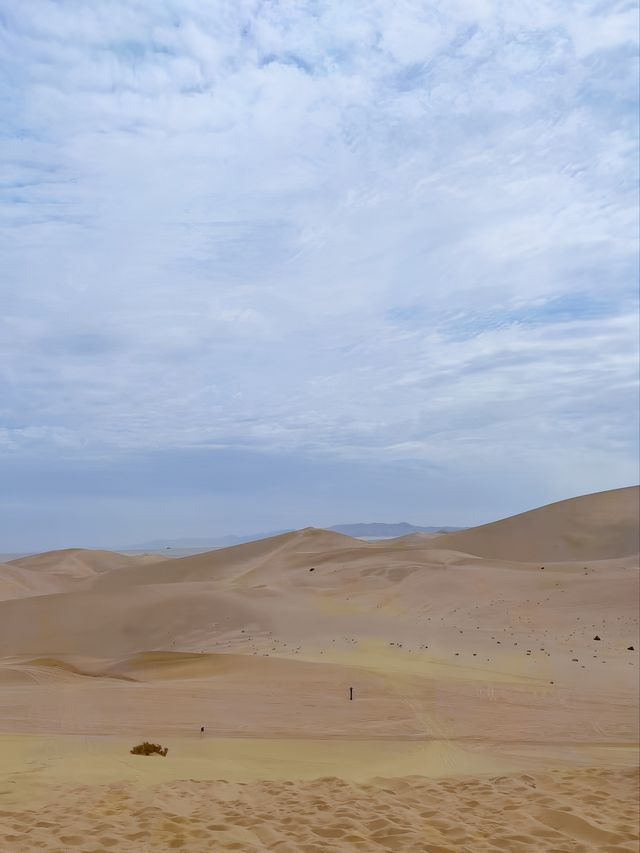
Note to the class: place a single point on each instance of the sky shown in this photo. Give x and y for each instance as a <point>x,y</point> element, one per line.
<point>274,264</point>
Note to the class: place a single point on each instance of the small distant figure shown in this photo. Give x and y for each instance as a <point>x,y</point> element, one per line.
<point>201,730</point>
<point>351,694</point>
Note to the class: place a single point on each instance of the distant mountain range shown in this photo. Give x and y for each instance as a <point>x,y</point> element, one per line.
<point>373,530</point>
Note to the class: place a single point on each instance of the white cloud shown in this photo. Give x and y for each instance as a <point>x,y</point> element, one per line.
<point>328,228</point>
<point>597,32</point>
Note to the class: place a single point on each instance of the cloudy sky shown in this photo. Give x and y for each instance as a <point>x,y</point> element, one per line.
<point>268,264</point>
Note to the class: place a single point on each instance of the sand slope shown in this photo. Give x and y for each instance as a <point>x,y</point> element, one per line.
<point>61,571</point>
<point>80,562</point>
<point>14,582</point>
<point>593,527</point>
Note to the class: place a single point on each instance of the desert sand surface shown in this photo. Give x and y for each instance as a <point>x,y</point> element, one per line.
<point>494,675</point>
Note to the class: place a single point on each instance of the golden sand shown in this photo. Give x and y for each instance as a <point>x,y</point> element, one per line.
<point>495,695</point>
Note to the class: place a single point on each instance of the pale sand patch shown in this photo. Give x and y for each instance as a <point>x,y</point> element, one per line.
<point>34,764</point>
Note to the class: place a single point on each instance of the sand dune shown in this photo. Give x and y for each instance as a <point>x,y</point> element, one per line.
<point>592,527</point>
<point>13,583</point>
<point>81,562</point>
<point>120,622</point>
<point>61,571</point>
<point>472,663</point>
<point>225,563</point>
<point>21,581</point>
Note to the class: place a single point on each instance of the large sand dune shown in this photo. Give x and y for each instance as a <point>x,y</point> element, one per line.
<point>495,667</point>
<point>592,527</point>
<point>61,571</point>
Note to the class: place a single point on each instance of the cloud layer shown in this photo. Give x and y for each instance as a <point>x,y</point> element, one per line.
<point>370,232</point>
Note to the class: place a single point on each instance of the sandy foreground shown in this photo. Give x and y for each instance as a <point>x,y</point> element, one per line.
<point>494,676</point>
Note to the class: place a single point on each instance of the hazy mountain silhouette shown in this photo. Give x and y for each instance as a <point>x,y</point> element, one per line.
<point>371,530</point>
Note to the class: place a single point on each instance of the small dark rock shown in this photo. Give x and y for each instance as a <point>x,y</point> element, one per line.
<point>630,649</point>
<point>596,637</point>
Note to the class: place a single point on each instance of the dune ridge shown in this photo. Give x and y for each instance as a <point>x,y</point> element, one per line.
<point>592,527</point>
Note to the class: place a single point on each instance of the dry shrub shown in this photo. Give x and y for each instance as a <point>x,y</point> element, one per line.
<point>147,748</point>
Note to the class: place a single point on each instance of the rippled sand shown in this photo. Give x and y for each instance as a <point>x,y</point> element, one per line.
<point>572,811</point>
